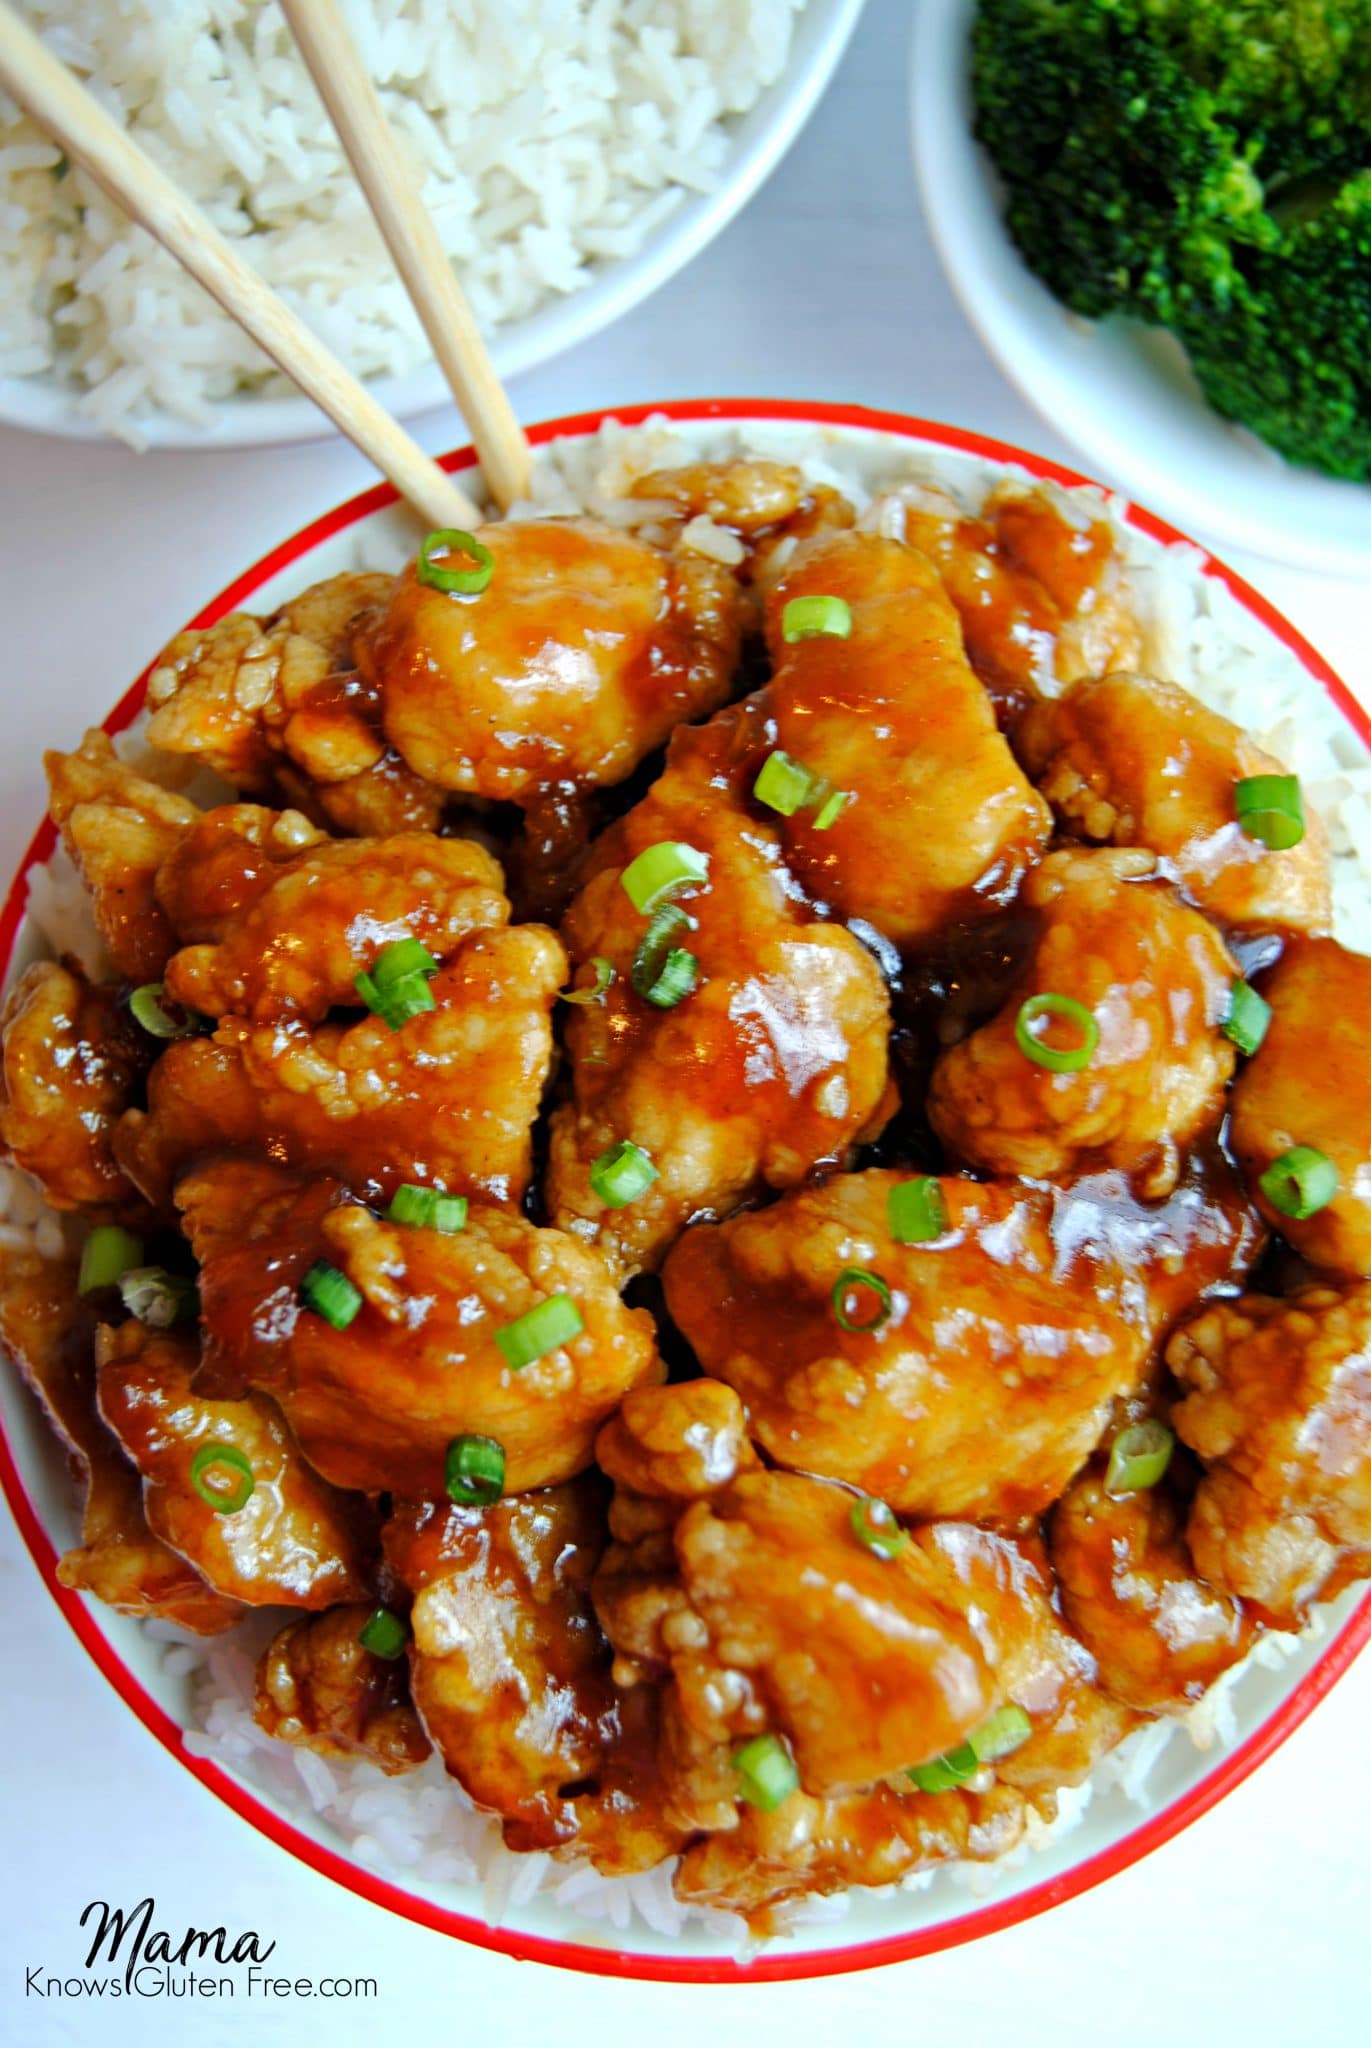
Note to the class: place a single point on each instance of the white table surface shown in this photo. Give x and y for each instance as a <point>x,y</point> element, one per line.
<point>1253,1927</point>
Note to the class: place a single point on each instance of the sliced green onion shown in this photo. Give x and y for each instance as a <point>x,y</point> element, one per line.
<point>1248,1017</point>
<point>474,1471</point>
<point>917,1210</point>
<point>107,1254</point>
<point>874,1524</point>
<point>452,540</point>
<point>428,1209</point>
<point>946,1773</point>
<point>766,1772</point>
<point>159,1298</point>
<point>1057,1060</point>
<point>1300,1183</point>
<point>1138,1457</point>
<point>604,975</point>
<point>330,1294</point>
<point>399,960</point>
<point>160,1019</point>
<point>783,784</point>
<point>1270,808</point>
<point>856,1280</point>
<point>396,1004</point>
<point>662,973</point>
<point>831,811</point>
<point>384,1634</point>
<point>530,1337</point>
<point>811,618</point>
<point>621,1174</point>
<point>231,1492</point>
<point>661,870</point>
<point>1007,1729</point>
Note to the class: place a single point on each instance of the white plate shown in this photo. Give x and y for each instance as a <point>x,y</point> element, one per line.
<point>761,138</point>
<point>1120,392</point>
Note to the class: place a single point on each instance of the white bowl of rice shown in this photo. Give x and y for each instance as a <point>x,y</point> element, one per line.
<point>416,1846</point>
<point>574,156</point>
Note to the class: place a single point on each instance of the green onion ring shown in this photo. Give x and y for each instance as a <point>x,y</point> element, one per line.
<point>1057,1061</point>
<point>474,1471</point>
<point>851,1280</point>
<point>1270,808</point>
<point>384,1633</point>
<point>875,1527</point>
<point>1138,1457</point>
<point>1300,1183</point>
<point>461,582</point>
<point>814,618</point>
<point>604,975</point>
<point>547,1327</point>
<point>766,1772</point>
<point>223,1458</point>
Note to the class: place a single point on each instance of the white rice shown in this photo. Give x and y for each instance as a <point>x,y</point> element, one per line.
<point>551,136</point>
<point>421,1829</point>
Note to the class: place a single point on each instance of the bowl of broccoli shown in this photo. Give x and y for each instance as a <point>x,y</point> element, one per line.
<point>1158,215</point>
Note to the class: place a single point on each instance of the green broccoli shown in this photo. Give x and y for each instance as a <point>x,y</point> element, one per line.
<point>1202,165</point>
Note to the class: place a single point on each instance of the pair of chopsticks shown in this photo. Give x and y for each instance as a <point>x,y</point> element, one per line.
<point>73,117</point>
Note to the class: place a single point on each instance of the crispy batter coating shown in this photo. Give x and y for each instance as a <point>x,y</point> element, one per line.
<point>1157,979</point>
<point>1008,1337</point>
<point>376,1405</point>
<point>295,1543</point>
<point>1310,1084</point>
<point>448,1100</point>
<point>118,829</point>
<point>319,1687</point>
<point>224,862</point>
<point>50,1334</point>
<point>1130,1591</point>
<point>71,1061</point>
<point>939,822</point>
<point>585,651</point>
<point>1130,761</point>
<point>1278,1410</point>
<point>774,1064</point>
<point>320,915</point>
<point>511,1673</point>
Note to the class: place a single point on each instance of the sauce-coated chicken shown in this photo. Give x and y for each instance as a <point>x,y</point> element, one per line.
<point>1130,761</point>
<point>447,1100</point>
<point>376,1404</point>
<point>939,823</point>
<point>988,1381</point>
<point>585,650</point>
<point>1309,1084</point>
<point>1156,979</point>
<point>71,1061</point>
<point>1278,1410</point>
<point>296,1541</point>
<point>319,1686</point>
<point>776,1061</point>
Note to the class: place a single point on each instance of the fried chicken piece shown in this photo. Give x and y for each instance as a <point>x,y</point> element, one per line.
<point>319,1686</point>
<point>275,705</point>
<point>1130,761</point>
<point>1037,579</point>
<point>70,1062</point>
<point>1157,980</point>
<point>448,1100</point>
<point>307,922</point>
<point>295,1542</point>
<point>1278,1409</point>
<point>989,1380</point>
<point>939,823</point>
<point>773,1064</point>
<point>118,829</point>
<point>49,1331</point>
<point>224,862</point>
<point>588,647</point>
<point>511,1673</point>
<point>1309,1083</point>
<point>748,497</point>
<point>1130,1591</point>
<point>375,1405</point>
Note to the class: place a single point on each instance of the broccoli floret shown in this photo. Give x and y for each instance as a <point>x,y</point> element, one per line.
<point>1157,156</point>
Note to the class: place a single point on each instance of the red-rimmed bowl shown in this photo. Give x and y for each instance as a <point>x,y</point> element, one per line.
<point>1272,1698</point>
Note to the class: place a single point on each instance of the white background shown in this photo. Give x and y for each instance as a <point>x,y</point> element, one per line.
<point>1253,1928</point>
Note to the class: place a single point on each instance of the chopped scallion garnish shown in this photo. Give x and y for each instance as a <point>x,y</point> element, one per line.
<point>856,1280</point>
<point>831,810</point>
<point>160,1018</point>
<point>428,1209</point>
<point>452,540</point>
<point>1056,1059</point>
<point>811,618</point>
<point>330,1294</point>
<point>1138,1457</point>
<point>107,1254</point>
<point>916,1210</point>
<point>397,988</point>
<point>1271,809</point>
<point>946,1773</point>
<point>604,975</point>
<point>783,784</point>
<point>384,1633</point>
<point>621,1174</point>
<point>661,871</point>
<point>662,973</point>
<point>874,1524</point>
<point>1006,1730</point>
<point>1300,1183</point>
<point>474,1471</point>
<point>401,958</point>
<point>1248,1017</point>
<point>159,1298</point>
<point>222,1476</point>
<point>552,1323</point>
<point>766,1772</point>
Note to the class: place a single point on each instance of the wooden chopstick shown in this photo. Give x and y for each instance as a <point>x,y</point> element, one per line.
<point>355,110</point>
<point>63,107</point>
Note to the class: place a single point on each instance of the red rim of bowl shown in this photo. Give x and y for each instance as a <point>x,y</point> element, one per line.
<point>987,1919</point>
